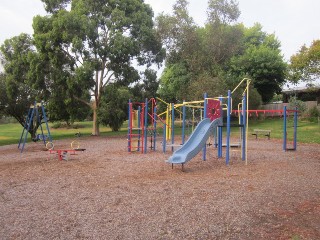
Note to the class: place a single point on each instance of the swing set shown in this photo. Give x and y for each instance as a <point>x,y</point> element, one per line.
<point>35,118</point>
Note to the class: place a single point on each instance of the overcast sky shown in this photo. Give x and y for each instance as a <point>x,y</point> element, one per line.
<point>294,22</point>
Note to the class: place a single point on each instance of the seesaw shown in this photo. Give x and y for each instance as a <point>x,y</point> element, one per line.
<point>63,153</point>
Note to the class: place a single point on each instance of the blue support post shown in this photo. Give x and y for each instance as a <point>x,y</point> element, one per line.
<point>228,128</point>
<point>244,128</point>
<point>183,122</point>
<point>164,141</point>
<point>146,126</point>
<point>29,124</point>
<point>46,121</point>
<point>25,125</point>
<point>129,125</point>
<point>295,129</point>
<point>139,128</point>
<point>39,122</point>
<point>204,150</point>
<point>220,131</point>
<point>285,128</point>
<point>154,128</point>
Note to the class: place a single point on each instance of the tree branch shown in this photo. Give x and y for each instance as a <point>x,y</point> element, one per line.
<point>83,101</point>
<point>108,80</point>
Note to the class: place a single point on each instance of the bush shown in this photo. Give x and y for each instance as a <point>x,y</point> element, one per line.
<point>294,102</point>
<point>56,125</point>
<point>313,114</point>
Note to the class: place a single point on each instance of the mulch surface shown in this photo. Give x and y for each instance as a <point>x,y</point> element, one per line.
<point>105,192</point>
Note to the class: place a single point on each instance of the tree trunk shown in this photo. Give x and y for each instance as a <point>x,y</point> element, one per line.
<point>95,127</point>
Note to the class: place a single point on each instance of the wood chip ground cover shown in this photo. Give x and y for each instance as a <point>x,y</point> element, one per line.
<point>107,193</point>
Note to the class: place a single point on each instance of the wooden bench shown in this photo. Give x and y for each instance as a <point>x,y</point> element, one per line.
<point>262,131</point>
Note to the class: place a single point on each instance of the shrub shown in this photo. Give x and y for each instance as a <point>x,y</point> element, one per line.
<point>313,114</point>
<point>56,125</point>
<point>294,102</point>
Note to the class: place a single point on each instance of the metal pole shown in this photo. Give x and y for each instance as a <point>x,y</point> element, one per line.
<point>46,121</point>
<point>129,124</point>
<point>285,128</point>
<point>154,127</point>
<point>146,126</point>
<point>295,129</point>
<point>244,107</point>
<point>29,124</point>
<point>172,125</point>
<point>228,128</point>
<point>220,131</point>
<point>183,122</point>
<point>204,150</point>
<point>25,125</point>
<point>164,141</point>
<point>139,128</point>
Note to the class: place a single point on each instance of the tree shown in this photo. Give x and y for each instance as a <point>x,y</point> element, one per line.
<point>23,83</point>
<point>96,43</point>
<point>16,94</point>
<point>305,65</point>
<point>114,106</point>
<point>175,81</point>
<point>260,60</point>
<point>147,88</point>
<point>216,57</point>
<point>198,54</point>
<point>223,11</point>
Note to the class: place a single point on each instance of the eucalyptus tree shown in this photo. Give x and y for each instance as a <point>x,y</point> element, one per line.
<point>95,43</point>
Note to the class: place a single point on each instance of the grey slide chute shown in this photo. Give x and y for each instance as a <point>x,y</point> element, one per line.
<point>196,142</point>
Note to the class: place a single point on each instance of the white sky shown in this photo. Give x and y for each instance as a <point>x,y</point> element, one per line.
<point>294,22</point>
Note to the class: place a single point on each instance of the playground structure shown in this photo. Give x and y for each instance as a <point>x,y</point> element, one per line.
<point>139,116</point>
<point>36,117</point>
<point>138,124</point>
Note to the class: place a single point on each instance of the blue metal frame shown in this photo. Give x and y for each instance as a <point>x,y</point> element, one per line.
<point>285,128</point>
<point>204,150</point>
<point>129,122</point>
<point>34,111</point>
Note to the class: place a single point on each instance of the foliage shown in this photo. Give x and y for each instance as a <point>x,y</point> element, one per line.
<point>16,94</point>
<point>91,44</point>
<point>223,11</point>
<point>295,103</point>
<point>305,65</point>
<point>23,84</point>
<point>174,83</point>
<point>313,114</point>
<point>177,32</point>
<point>214,58</point>
<point>114,106</point>
<point>262,61</point>
<point>147,88</point>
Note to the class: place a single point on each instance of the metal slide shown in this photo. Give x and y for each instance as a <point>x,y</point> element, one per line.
<point>195,143</point>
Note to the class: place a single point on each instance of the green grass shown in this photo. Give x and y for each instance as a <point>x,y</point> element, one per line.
<point>307,132</point>
<point>10,133</point>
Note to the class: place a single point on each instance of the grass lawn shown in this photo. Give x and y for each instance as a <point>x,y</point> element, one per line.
<point>307,132</point>
<point>10,133</point>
